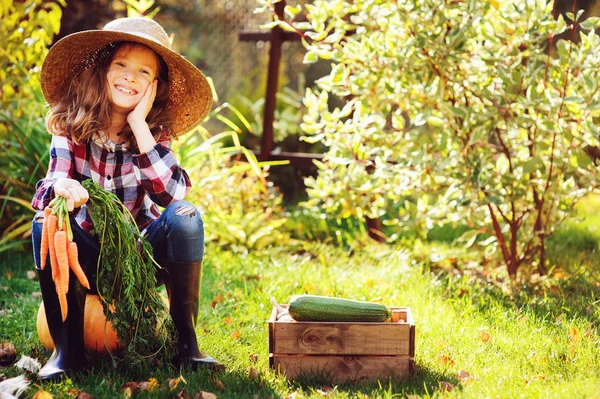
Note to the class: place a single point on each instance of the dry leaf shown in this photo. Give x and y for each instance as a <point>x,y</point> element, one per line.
<point>463,375</point>
<point>325,391</point>
<point>446,360</point>
<point>217,299</point>
<point>445,386</point>
<point>8,353</point>
<point>227,320</point>
<point>84,395</point>
<point>252,373</point>
<point>236,334</point>
<point>181,395</point>
<point>8,275</point>
<point>36,295</point>
<point>219,385</point>
<point>128,388</point>
<point>293,395</point>
<point>31,275</point>
<point>412,396</point>
<point>205,395</point>
<point>253,357</point>
<point>41,394</point>
<point>535,378</point>
<point>174,382</point>
<point>485,336</point>
<point>573,335</point>
<point>153,384</point>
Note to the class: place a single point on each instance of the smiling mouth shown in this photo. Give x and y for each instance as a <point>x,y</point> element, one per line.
<point>125,90</point>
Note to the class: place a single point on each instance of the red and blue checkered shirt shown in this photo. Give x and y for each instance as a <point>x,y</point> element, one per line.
<point>140,181</point>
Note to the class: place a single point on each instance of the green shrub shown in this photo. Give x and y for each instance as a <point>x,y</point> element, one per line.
<point>241,209</point>
<point>28,28</point>
<point>455,111</point>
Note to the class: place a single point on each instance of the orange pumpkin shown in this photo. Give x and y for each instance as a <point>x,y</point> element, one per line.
<point>98,334</point>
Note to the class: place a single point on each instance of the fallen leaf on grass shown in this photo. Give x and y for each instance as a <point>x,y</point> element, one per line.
<point>446,360</point>
<point>41,394</point>
<point>8,353</point>
<point>174,382</point>
<point>181,395</point>
<point>84,395</point>
<point>573,336</point>
<point>128,388</point>
<point>325,391</point>
<point>227,320</point>
<point>535,378</point>
<point>8,275</point>
<point>252,373</point>
<point>236,334</point>
<point>205,395</point>
<point>31,275</point>
<point>445,386</point>
<point>151,385</point>
<point>36,295</point>
<point>217,299</point>
<point>463,375</point>
<point>293,395</point>
<point>219,385</point>
<point>253,357</point>
<point>485,336</point>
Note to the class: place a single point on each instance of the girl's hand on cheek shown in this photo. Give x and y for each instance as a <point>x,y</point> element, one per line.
<point>143,108</point>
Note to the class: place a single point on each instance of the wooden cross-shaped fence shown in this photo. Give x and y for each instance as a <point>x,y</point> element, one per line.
<point>276,37</point>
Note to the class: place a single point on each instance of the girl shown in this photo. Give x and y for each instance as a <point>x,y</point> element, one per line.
<point>118,96</point>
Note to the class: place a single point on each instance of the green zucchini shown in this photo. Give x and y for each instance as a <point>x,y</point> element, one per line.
<point>321,308</point>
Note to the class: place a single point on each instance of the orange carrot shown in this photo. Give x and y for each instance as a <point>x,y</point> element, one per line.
<point>73,254</point>
<point>44,243</point>
<point>64,304</point>
<point>60,247</point>
<point>52,227</point>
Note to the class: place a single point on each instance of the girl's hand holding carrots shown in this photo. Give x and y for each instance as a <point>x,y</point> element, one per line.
<point>75,194</point>
<point>57,240</point>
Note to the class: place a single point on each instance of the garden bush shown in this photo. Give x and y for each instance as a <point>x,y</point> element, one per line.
<point>28,28</point>
<point>460,112</point>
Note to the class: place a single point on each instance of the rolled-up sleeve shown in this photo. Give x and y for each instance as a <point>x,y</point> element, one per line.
<point>60,165</point>
<point>161,176</point>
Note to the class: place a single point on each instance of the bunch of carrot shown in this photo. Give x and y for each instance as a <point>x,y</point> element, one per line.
<point>57,241</point>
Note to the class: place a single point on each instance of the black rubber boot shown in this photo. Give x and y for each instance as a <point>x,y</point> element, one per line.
<point>182,281</point>
<point>69,351</point>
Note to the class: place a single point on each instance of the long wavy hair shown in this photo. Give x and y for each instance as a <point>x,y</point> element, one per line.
<point>86,108</point>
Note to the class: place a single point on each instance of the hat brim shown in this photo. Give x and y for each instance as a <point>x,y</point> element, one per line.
<point>190,95</point>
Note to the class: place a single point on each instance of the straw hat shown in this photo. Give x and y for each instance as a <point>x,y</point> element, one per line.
<point>190,95</point>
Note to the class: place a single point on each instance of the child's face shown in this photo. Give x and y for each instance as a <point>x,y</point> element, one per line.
<point>131,70</point>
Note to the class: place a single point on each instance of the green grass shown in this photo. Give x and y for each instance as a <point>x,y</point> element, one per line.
<point>543,337</point>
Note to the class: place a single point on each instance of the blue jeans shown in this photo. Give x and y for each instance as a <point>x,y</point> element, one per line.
<point>176,236</point>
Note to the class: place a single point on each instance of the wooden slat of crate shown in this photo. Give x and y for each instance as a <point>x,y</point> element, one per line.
<point>386,338</point>
<point>343,368</point>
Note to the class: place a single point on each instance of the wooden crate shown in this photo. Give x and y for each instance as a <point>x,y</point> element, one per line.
<point>344,351</point>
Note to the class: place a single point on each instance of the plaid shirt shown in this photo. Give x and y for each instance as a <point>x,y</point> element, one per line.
<point>140,181</point>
